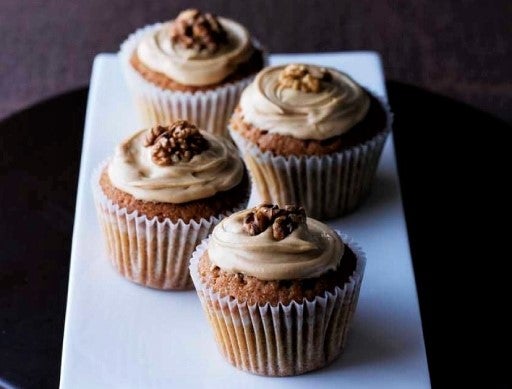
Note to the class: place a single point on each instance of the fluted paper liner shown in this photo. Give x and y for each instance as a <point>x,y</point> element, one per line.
<point>147,251</point>
<point>209,109</point>
<point>281,340</point>
<point>327,186</point>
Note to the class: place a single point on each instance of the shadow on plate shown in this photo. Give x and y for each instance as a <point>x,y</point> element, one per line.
<point>373,340</point>
<point>383,195</point>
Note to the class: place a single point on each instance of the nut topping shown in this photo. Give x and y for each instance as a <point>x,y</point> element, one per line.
<point>282,220</point>
<point>193,29</point>
<point>180,141</point>
<point>303,78</point>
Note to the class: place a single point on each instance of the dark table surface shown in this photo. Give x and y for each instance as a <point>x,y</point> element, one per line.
<point>444,167</point>
<point>459,48</point>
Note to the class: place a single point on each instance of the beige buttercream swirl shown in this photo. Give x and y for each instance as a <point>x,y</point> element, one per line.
<point>214,170</point>
<point>336,108</point>
<point>190,66</point>
<point>309,251</point>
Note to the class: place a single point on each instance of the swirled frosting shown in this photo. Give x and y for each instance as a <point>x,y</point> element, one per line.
<point>309,251</point>
<point>333,110</point>
<point>190,66</point>
<point>214,170</point>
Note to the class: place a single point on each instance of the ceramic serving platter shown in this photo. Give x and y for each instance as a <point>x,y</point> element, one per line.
<point>121,335</point>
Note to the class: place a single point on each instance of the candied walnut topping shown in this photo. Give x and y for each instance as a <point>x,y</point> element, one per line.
<point>283,221</point>
<point>303,78</point>
<point>180,141</point>
<point>193,29</point>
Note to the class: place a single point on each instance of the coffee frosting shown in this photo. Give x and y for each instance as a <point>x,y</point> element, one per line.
<point>191,66</point>
<point>309,251</point>
<point>333,110</point>
<point>214,170</point>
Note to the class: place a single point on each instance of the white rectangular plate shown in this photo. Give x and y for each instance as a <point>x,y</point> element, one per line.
<point>118,334</point>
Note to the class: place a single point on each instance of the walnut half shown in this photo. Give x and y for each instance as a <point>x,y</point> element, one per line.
<point>180,141</point>
<point>303,78</point>
<point>283,221</point>
<point>193,29</point>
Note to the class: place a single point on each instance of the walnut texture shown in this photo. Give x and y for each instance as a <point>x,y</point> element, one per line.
<point>193,29</point>
<point>283,221</point>
<point>180,141</point>
<point>303,78</point>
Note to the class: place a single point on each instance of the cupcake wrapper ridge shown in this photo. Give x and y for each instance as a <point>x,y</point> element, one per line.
<point>210,109</point>
<point>147,251</point>
<point>281,340</point>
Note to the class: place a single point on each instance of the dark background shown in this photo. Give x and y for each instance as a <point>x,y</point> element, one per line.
<point>458,48</point>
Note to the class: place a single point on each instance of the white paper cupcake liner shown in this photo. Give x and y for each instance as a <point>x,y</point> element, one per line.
<point>209,109</point>
<point>147,251</point>
<point>327,186</point>
<point>281,340</point>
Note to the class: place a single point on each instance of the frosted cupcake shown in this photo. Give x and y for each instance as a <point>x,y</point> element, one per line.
<point>310,136</point>
<point>279,289</point>
<point>193,67</point>
<point>161,193</point>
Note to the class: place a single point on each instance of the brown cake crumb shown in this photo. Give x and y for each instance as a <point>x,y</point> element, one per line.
<point>192,210</point>
<point>373,123</point>
<point>253,290</point>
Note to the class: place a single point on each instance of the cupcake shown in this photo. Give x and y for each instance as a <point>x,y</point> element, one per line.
<point>279,289</point>
<point>310,136</point>
<point>193,67</point>
<point>161,193</point>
